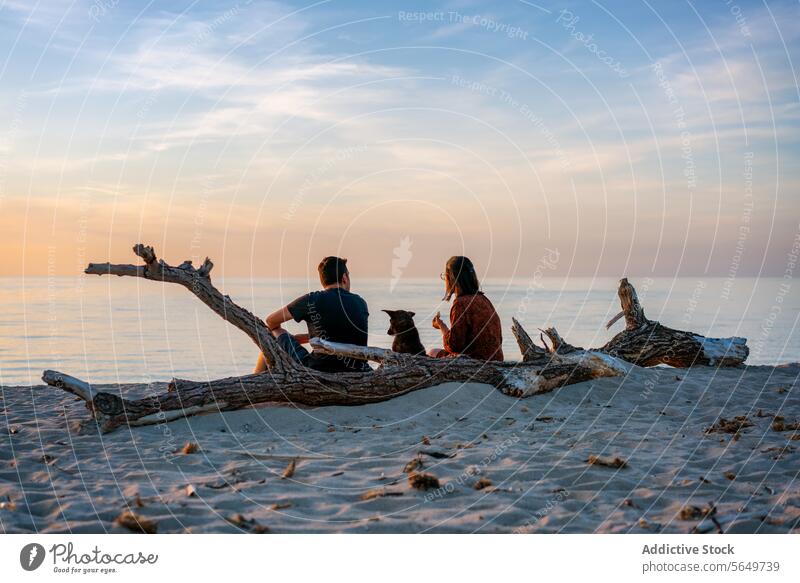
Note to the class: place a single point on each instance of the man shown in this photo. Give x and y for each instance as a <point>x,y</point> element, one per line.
<point>333,314</point>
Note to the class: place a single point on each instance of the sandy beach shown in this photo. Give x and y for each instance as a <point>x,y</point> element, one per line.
<point>502,464</point>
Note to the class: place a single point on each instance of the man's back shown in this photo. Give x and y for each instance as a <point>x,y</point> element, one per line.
<point>337,315</point>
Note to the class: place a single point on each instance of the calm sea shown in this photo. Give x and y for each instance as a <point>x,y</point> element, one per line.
<point>121,330</point>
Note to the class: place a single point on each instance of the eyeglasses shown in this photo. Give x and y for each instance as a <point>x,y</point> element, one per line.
<point>442,276</point>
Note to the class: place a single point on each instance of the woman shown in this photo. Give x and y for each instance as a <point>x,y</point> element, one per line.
<point>476,331</point>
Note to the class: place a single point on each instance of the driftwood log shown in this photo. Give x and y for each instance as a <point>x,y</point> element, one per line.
<point>542,370</point>
<point>649,343</point>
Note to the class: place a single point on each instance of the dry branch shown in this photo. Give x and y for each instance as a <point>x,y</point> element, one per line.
<point>198,281</point>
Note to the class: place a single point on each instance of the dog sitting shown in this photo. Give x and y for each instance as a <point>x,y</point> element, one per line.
<point>406,335</point>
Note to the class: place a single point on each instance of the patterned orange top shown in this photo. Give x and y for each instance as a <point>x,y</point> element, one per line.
<point>475,329</point>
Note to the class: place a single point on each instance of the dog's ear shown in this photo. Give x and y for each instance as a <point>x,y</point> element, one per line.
<point>390,312</point>
<point>411,314</point>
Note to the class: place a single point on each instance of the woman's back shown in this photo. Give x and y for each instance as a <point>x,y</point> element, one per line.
<point>476,330</point>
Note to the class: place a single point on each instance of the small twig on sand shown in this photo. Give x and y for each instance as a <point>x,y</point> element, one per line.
<point>617,462</point>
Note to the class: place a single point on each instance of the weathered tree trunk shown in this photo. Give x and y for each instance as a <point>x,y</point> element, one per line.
<point>541,371</point>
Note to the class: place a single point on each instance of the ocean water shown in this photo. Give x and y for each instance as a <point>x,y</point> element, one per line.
<point>109,329</point>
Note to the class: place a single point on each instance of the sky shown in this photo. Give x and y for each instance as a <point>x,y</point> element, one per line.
<point>575,138</point>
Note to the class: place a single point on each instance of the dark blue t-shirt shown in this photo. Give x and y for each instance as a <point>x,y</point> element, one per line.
<point>337,315</point>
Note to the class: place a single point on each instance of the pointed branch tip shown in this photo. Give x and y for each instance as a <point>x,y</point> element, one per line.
<point>146,252</point>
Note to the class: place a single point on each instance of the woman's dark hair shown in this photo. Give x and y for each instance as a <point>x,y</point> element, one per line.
<point>460,277</point>
<point>332,270</point>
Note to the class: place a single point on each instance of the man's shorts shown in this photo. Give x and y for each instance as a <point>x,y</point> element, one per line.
<point>294,348</point>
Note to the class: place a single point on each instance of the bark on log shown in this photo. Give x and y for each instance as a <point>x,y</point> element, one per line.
<point>542,369</point>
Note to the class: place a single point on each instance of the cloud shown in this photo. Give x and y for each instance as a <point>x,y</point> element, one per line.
<point>41,14</point>
<point>264,94</point>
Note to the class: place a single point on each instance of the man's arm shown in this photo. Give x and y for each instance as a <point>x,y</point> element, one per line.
<point>277,318</point>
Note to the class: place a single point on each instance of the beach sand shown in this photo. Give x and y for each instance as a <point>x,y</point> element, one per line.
<point>529,457</point>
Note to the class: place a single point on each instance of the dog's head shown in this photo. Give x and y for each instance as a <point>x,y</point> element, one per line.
<point>399,321</point>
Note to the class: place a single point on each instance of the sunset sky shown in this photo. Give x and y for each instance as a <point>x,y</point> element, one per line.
<point>633,138</point>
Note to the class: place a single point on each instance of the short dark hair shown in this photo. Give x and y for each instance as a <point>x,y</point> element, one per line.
<point>461,277</point>
<point>332,270</point>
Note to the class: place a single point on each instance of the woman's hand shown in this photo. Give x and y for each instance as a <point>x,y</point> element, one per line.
<point>438,323</point>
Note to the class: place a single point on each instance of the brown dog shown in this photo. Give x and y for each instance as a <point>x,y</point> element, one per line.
<point>406,335</point>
